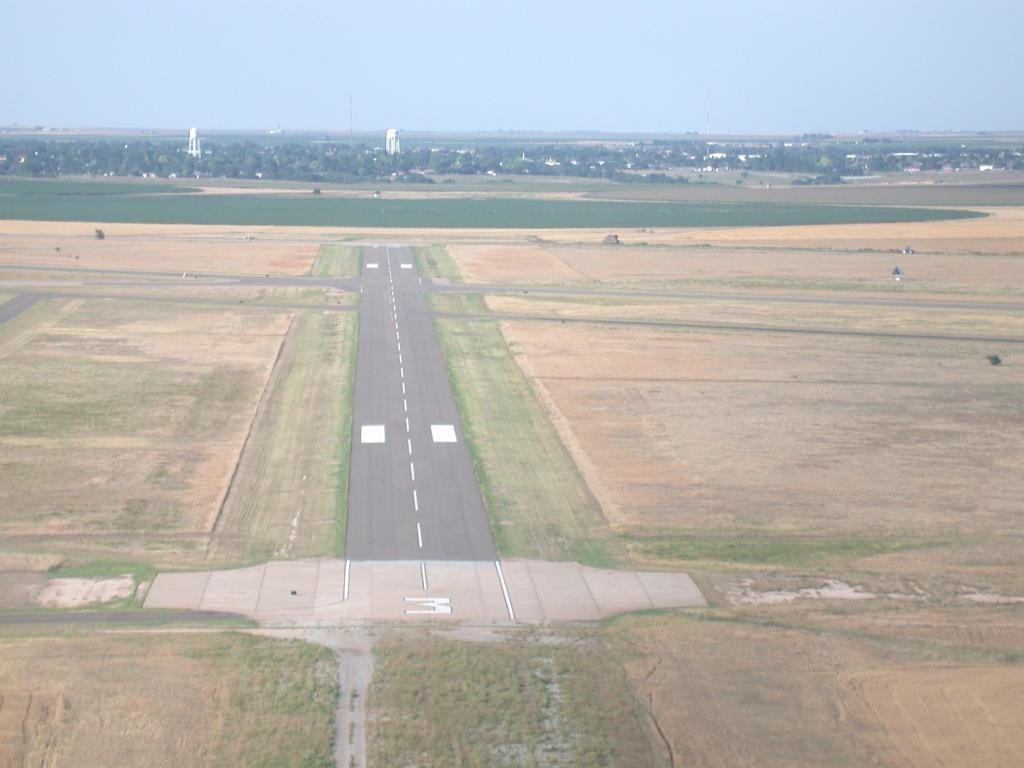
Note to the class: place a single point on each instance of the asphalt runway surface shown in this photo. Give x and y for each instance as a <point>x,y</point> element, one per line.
<point>410,497</point>
<point>14,307</point>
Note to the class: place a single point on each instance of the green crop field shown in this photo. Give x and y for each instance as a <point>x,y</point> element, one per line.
<point>67,205</point>
<point>47,187</point>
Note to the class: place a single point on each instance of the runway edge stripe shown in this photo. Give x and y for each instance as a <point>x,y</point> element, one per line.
<point>504,592</point>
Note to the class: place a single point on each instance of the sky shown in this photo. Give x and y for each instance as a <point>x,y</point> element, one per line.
<point>554,65</point>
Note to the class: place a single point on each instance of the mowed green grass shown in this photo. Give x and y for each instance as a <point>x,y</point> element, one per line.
<point>538,503</point>
<point>435,702</point>
<point>485,213</point>
<point>335,260</point>
<point>290,495</point>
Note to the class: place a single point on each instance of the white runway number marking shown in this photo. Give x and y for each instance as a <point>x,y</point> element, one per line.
<point>429,605</point>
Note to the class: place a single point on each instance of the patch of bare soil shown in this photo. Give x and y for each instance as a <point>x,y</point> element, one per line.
<point>75,593</point>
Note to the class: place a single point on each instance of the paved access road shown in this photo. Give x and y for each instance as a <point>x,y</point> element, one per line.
<point>412,493</point>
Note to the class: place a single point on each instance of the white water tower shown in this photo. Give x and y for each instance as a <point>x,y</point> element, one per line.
<point>391,144</point>
<point>193,143</point>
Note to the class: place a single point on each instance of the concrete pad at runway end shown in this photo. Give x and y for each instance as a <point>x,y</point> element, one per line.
<point>236,590</point>
<point>313,591</point>
<point>177,590</point>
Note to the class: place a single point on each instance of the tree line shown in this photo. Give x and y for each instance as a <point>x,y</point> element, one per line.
<point>661,161</point>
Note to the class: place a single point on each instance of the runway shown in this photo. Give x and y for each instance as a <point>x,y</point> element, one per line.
<point>412,494</point>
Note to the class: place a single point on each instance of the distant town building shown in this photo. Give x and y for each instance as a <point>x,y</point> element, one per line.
<point>193,143</point>
<point>391,144</point>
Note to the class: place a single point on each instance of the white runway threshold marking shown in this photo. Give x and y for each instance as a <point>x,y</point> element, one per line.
<point>504,592</point>
<point>372,266</point>
<point>372,433</point>
<point>407,266</point>
<point>443,433</point>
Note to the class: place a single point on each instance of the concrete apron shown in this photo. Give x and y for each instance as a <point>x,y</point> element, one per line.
<point>333,592</point>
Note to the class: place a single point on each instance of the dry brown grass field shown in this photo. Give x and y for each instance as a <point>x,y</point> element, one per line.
<point>144,249</point>
<point>736,692</point>
<point>727,267</point>
<point>164,699</point>
<point>849,504</point>
<point>783,432</point>
<point>145,421</point>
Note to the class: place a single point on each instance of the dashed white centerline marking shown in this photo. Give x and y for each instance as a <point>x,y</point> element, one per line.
<point>406,423</point>
<point>403,387</point>
<point>412,471</point>
<point>415,500</point>
<point>423,574</point>
<point>419,535</point>
<point>409,441</point>
<point>405,405</point>
<point>401,372</point>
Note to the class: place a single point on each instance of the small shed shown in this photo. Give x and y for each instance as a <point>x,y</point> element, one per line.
<point>897,274</point>
<point>612,240</point>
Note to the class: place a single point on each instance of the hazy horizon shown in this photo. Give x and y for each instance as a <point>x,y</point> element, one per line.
<point>460,67</point>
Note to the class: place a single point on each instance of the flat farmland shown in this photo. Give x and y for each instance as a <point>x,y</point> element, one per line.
<point>443,212</point>
<point>130,447</point>
<point>724,267</point>
<point>821,316</point>
<point>1000,231</point>
<point>733,692</point>
<point>165,699</point>
<point>681,432</point>
<point>156,252</point>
